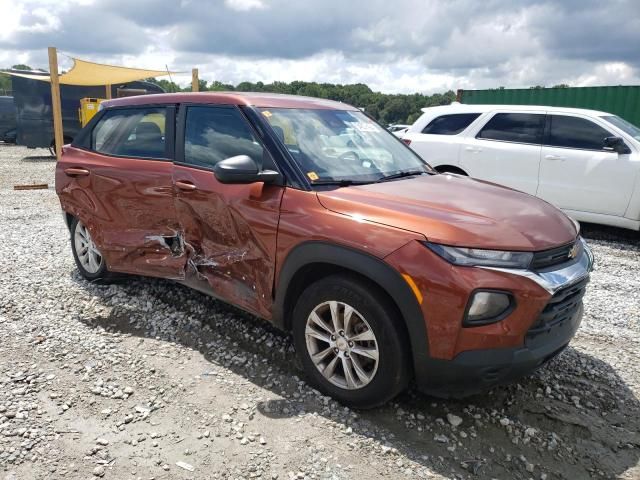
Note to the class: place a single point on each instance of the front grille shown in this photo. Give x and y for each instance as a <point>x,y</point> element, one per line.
<point>551,257</point>
<point>560,309</point>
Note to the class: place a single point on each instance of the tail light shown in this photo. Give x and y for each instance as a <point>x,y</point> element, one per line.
<point>406,141</point>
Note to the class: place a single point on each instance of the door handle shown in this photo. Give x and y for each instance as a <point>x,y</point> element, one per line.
<point>184,185</point>
<point>473,149</point>
<point>554,157</point>
<point>76,172</point>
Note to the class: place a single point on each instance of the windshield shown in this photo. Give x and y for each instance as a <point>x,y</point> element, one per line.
<point>626,127</point>
<point>342,146</point>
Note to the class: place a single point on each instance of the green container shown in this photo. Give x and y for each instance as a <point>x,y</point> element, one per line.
<point>623,101</point>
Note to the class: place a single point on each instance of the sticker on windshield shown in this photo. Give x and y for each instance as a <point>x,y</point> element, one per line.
<point>364,127</point>
<point>313,176</point>
<point>267,113</point>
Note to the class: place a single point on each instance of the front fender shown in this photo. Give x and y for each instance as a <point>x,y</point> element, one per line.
<point>373,268</point>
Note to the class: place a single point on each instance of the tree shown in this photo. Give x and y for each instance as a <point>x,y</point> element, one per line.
<point>396,108</point>
<point>21,66</point>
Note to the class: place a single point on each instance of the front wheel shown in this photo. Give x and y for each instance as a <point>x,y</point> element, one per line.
<point>351,341</point>
<point>89,260</point>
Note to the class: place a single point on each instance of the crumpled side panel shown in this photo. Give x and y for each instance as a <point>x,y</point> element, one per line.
<point>230,236</point>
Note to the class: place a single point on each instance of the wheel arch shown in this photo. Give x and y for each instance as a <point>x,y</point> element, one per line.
<point>451,169</point>
<point>68,219</point>
<point>312,260</point>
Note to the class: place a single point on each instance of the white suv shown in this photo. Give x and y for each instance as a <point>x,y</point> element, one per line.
<point>585,162</point>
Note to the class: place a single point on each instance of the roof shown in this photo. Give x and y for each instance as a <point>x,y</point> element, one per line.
<point>477,108</point>
<point>256,99</point>
<point>93,74</point>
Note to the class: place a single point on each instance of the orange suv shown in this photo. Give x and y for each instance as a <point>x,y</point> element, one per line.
<point>307,213</point>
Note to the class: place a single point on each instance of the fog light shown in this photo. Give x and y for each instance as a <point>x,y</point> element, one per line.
<point>487,307</point>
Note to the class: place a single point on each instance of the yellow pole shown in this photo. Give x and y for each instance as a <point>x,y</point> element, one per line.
<point>195,84</point>
<point>55,101</point>
<point>108,92</point>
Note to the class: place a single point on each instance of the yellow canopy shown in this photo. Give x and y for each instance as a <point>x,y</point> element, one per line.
<point>91,74</point>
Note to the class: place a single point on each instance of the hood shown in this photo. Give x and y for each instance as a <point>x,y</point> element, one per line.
<point>455,210</point>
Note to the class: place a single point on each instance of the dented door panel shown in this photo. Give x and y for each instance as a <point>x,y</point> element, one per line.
<point>229,234</point>
<point>128,206</point>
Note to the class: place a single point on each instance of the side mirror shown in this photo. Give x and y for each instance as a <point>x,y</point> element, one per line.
<point>242,169</point>
<point>615,144</point>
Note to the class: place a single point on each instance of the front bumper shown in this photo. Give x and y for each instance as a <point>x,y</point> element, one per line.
<point>461,361</point>
<point>476,371</point>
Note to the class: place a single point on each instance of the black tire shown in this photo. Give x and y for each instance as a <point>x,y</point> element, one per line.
<point>394,367</point>
<point>102,274</point>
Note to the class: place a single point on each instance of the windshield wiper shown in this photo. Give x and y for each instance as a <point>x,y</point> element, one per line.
<point>341,183</point>
<point>406,173</point>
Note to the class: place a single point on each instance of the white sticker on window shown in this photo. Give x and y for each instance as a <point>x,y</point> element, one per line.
<point>364,127</point>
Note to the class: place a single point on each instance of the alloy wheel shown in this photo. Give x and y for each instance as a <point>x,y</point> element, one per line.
<point>342,345</point>
<point>88,254</point>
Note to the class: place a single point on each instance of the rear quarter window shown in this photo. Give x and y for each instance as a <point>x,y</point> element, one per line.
<point>451,124</point>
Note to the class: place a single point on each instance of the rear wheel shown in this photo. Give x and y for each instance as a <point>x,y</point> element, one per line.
<point>349,344</point>
<point>89,260</point>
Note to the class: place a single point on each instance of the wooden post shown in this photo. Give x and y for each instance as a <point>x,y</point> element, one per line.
<point>108,92</point>
<point>55,101</point>
<point>195,84</point>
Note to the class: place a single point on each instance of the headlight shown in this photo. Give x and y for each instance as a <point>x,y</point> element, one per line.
<point>472,257</point>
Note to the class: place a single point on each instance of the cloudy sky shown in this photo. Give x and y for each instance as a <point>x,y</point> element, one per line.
<point>393,46</point>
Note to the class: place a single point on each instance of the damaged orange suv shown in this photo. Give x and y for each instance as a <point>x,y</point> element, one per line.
<point>307,213</point>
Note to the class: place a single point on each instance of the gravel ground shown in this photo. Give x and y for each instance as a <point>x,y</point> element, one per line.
<point>147,379</point>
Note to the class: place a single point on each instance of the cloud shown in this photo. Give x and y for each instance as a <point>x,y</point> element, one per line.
<point>406,46</point>
<point>244,5</point>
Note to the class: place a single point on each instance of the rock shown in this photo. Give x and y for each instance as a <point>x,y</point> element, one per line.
<point>441,438</point>
<point>454,419</point>
<point>99,471</point>
<point>102,441</point>
<point>185,466</point>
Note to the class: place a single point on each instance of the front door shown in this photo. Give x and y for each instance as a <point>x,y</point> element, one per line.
<point>577,174</point>
<point>229,229</point>
<point>130,203</point>
<point>506,150</point>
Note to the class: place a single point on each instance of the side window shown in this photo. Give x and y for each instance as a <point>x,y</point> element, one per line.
<point>215,133</point>
<point>131,132</point>
<point>450,124</point>
<point>574,132</point>
<point>514,127</point>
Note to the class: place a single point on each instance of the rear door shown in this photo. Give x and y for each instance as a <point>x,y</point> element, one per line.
<point>229,229</point>
<point>120,185</point>
<point>576,173</point>
<point>505,149</point>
